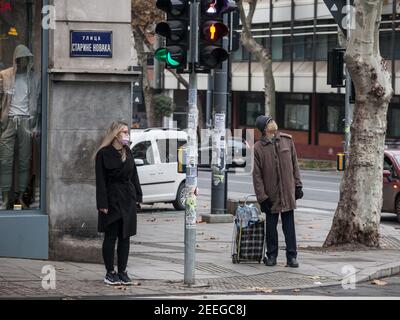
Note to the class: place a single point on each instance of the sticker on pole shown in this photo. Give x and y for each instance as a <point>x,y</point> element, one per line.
<point>190,213</point>
<point>219,120</point>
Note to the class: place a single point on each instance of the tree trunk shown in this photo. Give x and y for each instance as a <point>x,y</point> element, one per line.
<point>357,216</point>
<point>262,55</point>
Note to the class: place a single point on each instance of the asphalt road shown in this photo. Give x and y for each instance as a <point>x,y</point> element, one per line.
<point>319,186</point>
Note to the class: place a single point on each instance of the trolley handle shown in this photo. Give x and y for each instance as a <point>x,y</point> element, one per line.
<point>250,195</point>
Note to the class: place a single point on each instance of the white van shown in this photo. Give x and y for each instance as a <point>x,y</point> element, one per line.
<point>155,153</point>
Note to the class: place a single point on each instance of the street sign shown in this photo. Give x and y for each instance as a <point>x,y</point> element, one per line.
<point>338,9</point>
<point>91,44</point>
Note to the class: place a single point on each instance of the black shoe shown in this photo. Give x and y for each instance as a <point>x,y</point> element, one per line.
<point>292,263</point>
<point>270,262</point>
<point>112,278</point>
<point>125,280</point>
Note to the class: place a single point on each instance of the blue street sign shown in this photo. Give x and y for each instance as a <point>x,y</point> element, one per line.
<point>91,44</point>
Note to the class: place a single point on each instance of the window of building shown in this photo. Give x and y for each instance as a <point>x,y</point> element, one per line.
<point>250,107</point>
<point>237,55</point>
<point>393,120</point>
<point>331,113</point>
<point>297,116</point>
<point>334,119</point>
<point>277,48</point>
<point>21,105</point>
<point>385,44</point>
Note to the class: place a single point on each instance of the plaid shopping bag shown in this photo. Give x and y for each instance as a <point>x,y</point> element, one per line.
<point>252,241</point>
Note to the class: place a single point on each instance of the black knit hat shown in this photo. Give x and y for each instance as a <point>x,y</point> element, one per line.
<point>262,121</point>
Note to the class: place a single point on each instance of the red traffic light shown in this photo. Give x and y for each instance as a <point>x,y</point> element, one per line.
<point>173,7</point>
<point>174,30</point>
<point>214,30</point>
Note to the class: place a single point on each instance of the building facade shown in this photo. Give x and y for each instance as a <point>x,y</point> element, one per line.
<point>78,80</point>
<point>298,35</point>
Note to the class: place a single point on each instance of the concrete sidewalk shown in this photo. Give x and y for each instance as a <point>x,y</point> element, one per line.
<point>157,262</point>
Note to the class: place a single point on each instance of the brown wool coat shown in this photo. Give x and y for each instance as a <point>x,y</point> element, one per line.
<point>276,172</point>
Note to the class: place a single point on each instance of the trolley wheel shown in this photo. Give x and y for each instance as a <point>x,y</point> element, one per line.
<point>234,258</point>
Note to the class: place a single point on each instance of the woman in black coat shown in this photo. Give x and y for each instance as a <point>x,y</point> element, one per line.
<point>118,193</point>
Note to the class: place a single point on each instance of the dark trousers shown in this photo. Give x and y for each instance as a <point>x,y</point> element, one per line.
<point>288,230</point>
<point>114,231</point>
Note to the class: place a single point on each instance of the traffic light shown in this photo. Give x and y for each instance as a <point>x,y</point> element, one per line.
<point>336,68</point>
<point>212,30</point>
<point>175,30</point>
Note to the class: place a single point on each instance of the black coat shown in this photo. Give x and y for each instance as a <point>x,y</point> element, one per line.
<point>117,189</point>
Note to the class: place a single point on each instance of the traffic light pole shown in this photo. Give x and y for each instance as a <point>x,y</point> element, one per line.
<point>348,113</point>
<point>157,66</point>
<point>219,145</point>
<point>210,88</point>
<point>192,151</point>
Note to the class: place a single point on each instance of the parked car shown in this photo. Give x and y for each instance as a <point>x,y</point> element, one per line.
<point>237,149</point>
<point>391,182</point>
<point>155,153</point>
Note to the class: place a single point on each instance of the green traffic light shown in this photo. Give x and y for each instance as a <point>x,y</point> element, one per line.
<point>161,54</point>
<point>171,61</point>
<point>172,56</point>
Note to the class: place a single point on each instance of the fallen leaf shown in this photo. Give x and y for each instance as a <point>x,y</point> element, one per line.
<point>314,277</point>
<point>151,220</point>
<point>296,290</point>
<point>379,282</point>
<point>119,287</point>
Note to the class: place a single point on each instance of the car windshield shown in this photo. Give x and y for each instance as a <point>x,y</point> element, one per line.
<point>397,156</point>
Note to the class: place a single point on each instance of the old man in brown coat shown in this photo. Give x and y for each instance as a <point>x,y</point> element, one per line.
<point>277,184</point>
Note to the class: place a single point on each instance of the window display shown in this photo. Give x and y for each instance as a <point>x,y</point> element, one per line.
<point>20,105</point>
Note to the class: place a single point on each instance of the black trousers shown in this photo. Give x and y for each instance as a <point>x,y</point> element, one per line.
<point>114,231</point>
<point>288,230</point>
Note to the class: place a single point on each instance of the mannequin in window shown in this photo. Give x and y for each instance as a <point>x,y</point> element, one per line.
<point>19,93</point>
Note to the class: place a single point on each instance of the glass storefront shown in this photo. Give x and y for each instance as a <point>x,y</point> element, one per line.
<point>20,104</point>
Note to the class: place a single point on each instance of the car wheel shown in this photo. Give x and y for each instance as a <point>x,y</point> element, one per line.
<point>180,201</point>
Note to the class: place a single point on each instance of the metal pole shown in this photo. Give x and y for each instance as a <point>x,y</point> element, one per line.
<point>219,145</point>
<point>210,86</point>
<point>157,66</point>
<point>348,115</point>
<point>191,156</point>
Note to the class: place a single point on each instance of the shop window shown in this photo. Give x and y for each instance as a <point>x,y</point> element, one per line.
<point>297,116</point>
<point>20,98</point>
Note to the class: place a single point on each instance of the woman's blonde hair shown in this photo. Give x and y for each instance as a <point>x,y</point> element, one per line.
<point>110,135</point>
